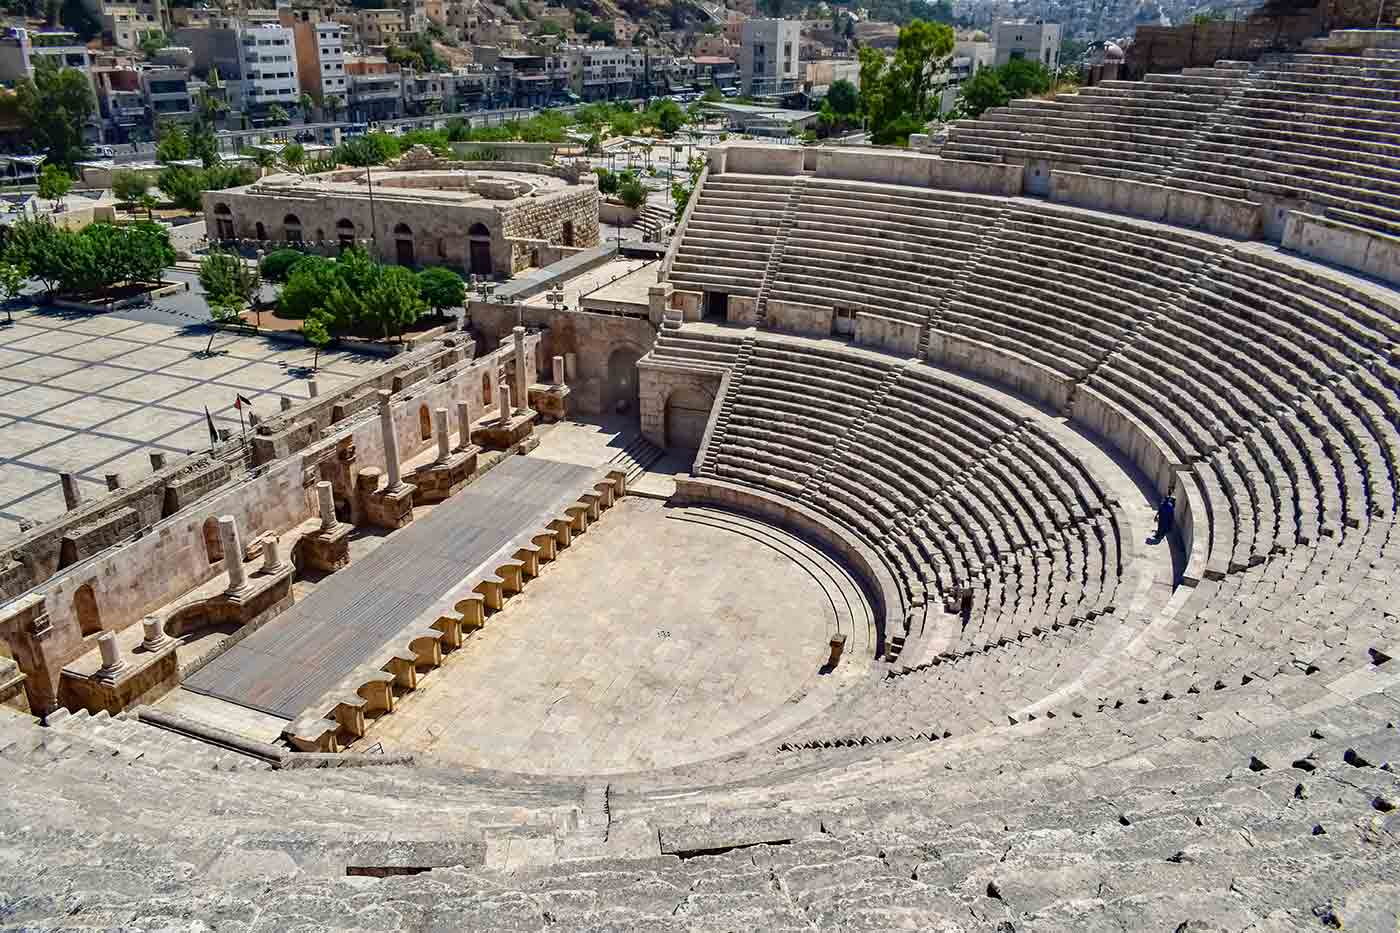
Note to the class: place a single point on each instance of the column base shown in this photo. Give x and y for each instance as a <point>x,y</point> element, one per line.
<point>440,479</point>
<point>328,551</point>
<point>390,508</point>
<point>551,401</point>
<point>502,435</point>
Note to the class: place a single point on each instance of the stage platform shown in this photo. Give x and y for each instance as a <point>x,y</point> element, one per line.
<point>289,663</point>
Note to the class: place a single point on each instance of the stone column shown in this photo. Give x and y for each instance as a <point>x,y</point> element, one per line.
<point>157,461</point>
<point>233,553</point>
<point>522,374</point>
<point>111,653</point>
<point>72,495</point>
<point>391,442</point>
<point>114,481</point>
<point>312,389</point>
<point>440,426</point>
<point>326,499</point>
<point>505,404</point>
<point>464,423</point>
<point>154,632</point>
<point>558,370</point>
<point>272,554</point>
<point>571,366</point>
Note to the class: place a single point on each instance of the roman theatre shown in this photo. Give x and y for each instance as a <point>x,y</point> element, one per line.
<point>813,573</point>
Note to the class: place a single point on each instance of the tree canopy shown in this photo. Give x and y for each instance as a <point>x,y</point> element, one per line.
<point>54,105</point>
<point>441,288</point>
<point>897,92</point>
<point>997,87</point>
<point>88,260</point>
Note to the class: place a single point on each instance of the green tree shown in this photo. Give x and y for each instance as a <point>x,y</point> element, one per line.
<point>210,108</point>
<point>549,27</point>
<point>1023,78</point>
<point>277,115</point>
<point>395,302</point>
<point>227,279</point>
<point>147,202</point>
<point>997,87</point>
<point>897,93</point>
<point>666,115</point>
<point>294,155</point>
<point>607,181</point>
<point>129,186</point>
<point>12,279</point>
<point>54,183</point>
<point>712,95</point>
<point>370,149</point>
<point>843,97</point>
<point>36,244</point>
<point>173,143</point>
<point>54,106</point>
<point>146,251</point>
<point>681,191</point>
<point>632,194</point>
<point>183,187</point>
<point>441,288</point>
<point>306,102</point>
<point>308,283</point>
<point>277,265</point>
<point>333,105</point>
<point>316,331</point>
<point>152,42</point>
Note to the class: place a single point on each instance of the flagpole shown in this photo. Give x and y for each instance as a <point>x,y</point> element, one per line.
<point>243,428</point>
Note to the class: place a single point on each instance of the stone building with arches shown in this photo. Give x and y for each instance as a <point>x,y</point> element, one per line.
<point>481,218</point>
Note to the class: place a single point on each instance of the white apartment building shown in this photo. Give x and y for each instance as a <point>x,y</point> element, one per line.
<point>1037,42</point>
<point>768,56</point>
<point>268,64</point>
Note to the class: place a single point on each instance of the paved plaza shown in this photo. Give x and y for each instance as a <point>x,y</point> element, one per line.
<point>92,394</point>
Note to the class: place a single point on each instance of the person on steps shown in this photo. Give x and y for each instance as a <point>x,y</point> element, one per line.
<point>1166,514</point>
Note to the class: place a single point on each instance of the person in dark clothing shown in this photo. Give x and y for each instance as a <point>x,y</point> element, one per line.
<point>1166,515</point>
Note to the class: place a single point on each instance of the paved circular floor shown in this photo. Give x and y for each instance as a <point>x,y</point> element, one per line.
<point>647,642</point>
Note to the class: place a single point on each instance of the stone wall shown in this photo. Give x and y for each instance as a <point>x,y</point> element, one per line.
<point>587,340</point>
<point>120,581</point>
<point>657,384</point>
<point>543,218</point>
<point>1192,209</point>
<point>1367,251</point>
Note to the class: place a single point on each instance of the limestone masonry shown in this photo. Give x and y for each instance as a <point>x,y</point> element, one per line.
<point>997,538</point>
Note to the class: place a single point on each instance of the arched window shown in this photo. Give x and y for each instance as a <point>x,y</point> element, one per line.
<point>425,422</point>
<point>345,233</point>
<point>213,546</point>
<point>85,608</point>
<point>291,228</point>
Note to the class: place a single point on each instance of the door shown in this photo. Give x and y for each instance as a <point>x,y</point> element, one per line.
<point>843,322</point>
<point>405,252</point>
<point>481,257</point>
<point>717,305</point>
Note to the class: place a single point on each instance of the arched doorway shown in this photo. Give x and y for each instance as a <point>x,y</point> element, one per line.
<point>403,244</point>
<point>621,393</point>
<point>345,233</point>
<point>291,228</point>
<point>223,221</point>
<point>85,608</point>
<point>687,413</point>
<point>261,231</point>
<point>566,236</point>
<point>479,250</point>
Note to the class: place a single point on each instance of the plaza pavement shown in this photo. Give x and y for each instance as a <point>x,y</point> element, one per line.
<point>92,394</point>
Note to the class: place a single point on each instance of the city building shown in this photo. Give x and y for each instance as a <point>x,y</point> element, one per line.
<point>125,26</point>
<point>604,72</point>
<point>168,93</point>
<point>320,52</point>
<point>768,56</point>
<point>819,76</point>
<point>20,48</point>
<point>267,69</point>
<point>1038,41</point>
<point>714,47</point>
<point>376,88</point>
<point>121,101</point>
<point>715,71</point>
<point>380,27</point>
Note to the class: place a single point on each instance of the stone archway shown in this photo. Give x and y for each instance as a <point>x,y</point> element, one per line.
<point>621,390</point>
<point>687,413</point>
<point>404,253</point>
<point>291,228</point>
<point>223,221</point>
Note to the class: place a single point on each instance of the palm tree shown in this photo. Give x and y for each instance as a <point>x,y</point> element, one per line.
<point>305,102</point>
<point>333,105</point>
<point>276,114</point>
